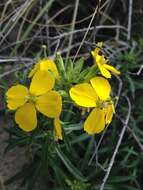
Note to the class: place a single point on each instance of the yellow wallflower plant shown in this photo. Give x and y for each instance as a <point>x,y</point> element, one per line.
<point>45,65</point>
<point>96,95</point>
<point>70,91</point>
<point>101,62</point>
<point>39,97</point>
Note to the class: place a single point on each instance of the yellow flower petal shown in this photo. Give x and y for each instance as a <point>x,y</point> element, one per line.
<point>16,96</point>
<point>26,118</point>
<point>45,65</point>
<point>95,122</point>
<point>41,83</point>
<point>83,95</point>
<point>112,69</point>
<point>50,104</point>
<point>57,129</point>
<point>109,111</point>
<point>101,61</point>
<point>104,71</point>
<point>101,87</point>
<point>95,52</point>
<point>34,70</point>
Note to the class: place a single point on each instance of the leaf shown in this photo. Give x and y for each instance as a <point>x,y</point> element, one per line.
<point>69,69</point>
<point>60,65</point>
<point>15,131</point>
<point>79,65</point>
<point>132,85</point>
<point>12,143</point>
<point>121,179</point>
<point>71,168</point>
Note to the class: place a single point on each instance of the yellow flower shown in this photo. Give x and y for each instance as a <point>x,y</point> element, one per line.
<point>45,65</point>
<point>97,49</point>
<point>39,97</point>
<point>57,129</point>
<point>101,62</point>
<point>95,95</point>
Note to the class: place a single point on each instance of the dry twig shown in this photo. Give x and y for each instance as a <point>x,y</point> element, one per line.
<point>130,19</point>
<point>72,27</point>
<point>117,146</point>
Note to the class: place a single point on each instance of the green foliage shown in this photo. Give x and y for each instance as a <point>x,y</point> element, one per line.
<point>65,164</point>
<point>77,185</point>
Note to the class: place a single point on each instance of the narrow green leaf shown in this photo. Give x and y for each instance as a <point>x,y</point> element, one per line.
<point>72,169</point>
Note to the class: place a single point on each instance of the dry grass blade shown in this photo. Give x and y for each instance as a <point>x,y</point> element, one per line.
<point>72,27</point>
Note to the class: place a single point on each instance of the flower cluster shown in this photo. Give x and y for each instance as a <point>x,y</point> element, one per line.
<point>39,97</point>
<point>96,94</point>
<point>93,95</point>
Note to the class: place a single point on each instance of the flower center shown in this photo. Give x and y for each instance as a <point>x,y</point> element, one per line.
<point>102,104</point>
<point>31,98</point>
